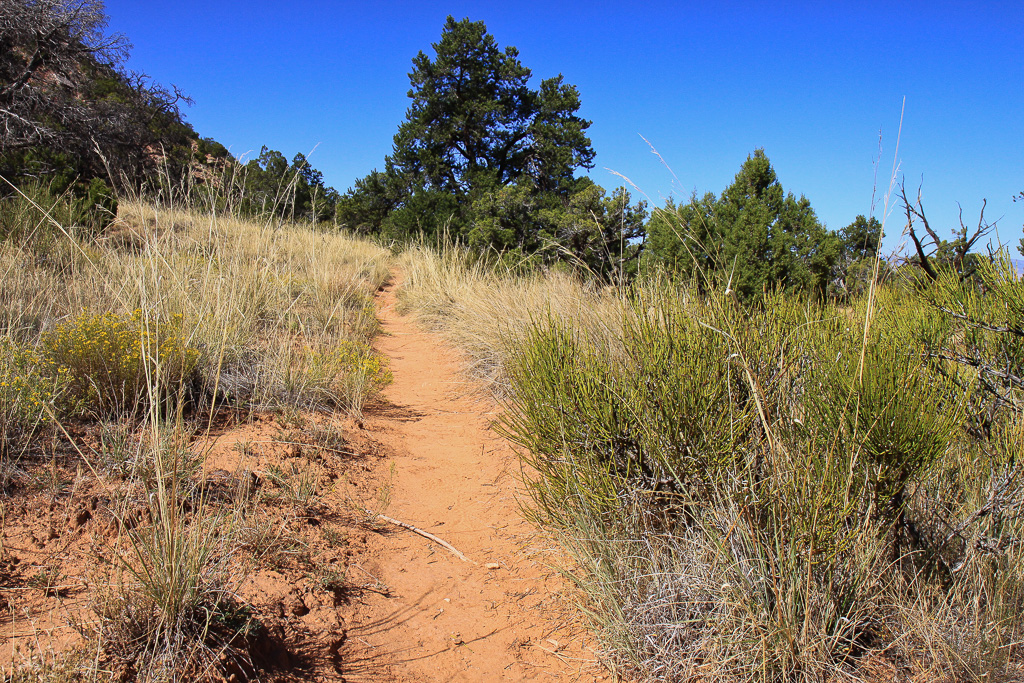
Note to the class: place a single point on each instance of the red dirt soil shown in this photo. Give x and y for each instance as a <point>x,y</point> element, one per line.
<point>340,596</point>
<point>496,617</point>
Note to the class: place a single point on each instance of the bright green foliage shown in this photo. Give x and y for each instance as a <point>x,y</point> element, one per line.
<point>862,238</point>
<point>685,238</point>
<point>604,233</point>
<point>753,238</point>
<point>891,413</point>
<point>665,420</point>
<point>366,206</point>
<point>118,364</point>
<point>270,186</point>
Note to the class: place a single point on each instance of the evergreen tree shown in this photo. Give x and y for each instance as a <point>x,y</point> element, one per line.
<point>484,158</point>
<point>754,237</point>
<point>860,241</point>
<point>474,126</point>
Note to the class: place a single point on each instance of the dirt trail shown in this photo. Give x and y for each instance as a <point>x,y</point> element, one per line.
<point>435,617</point>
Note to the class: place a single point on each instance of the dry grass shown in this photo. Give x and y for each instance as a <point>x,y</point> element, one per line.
<point>259,302</point>
<point>484,309</point>
<point>268,316</point>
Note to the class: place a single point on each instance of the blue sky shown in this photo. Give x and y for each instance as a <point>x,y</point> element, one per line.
<point>818,85</point>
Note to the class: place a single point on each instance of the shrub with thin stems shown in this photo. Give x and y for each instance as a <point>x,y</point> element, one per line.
<point>766,492</point>
<point>29,396</point>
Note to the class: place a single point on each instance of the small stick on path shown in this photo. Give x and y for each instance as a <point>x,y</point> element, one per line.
<point>426,534</point>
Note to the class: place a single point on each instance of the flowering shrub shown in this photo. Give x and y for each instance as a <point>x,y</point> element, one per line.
<point>345,376</point>
<point>116,363</point>
<point>359,364</point>
<point>27,395</point>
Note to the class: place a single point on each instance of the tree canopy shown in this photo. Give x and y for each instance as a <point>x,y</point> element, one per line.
<point>488,159</point>
<point>754,237</point>
<point>474,121</point>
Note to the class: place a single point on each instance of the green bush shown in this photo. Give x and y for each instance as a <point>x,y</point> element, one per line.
<point>774,481</point>
<point>663,422</point>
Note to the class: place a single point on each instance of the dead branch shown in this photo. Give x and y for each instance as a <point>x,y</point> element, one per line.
<point>964,239</point>
<point>426,534</point>
<point>912,213</point>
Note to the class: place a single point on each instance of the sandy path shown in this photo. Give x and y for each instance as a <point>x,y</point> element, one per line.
<point>443,619</point>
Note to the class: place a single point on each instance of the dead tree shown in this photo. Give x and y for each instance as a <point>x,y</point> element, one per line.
<point>63,87</point>
<point>931,247</point>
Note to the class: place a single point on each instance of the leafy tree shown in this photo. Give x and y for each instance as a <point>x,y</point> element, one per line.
<point>484,158</point>
<point>365,207</point>
<point>514,218</point>
<point>604,233</point>
<point>274,187</point>
<point>600,233</point>
<point>686,238</point>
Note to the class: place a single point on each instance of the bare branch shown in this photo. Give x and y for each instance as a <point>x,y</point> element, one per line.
<point>913,212</point>
<point>956,252</point>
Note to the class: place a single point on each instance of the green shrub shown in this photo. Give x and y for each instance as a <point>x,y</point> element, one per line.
<point>662,423</point>
<point>763,487</point>
<point>118,364</point>
<point>34,213</point>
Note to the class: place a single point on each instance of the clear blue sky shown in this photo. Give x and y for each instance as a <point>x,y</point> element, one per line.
<point>814,83</point>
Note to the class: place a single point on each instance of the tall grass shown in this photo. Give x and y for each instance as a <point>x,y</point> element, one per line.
<point>478,302</point>
<point>151,327</point>
<point>253,302</point>
<point>769,493</point>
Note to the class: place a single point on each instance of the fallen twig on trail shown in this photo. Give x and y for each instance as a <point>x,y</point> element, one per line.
<point>426,534</point>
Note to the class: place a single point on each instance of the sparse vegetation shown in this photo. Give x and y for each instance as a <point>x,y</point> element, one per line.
<point>119,350</point>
